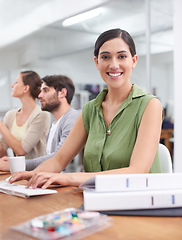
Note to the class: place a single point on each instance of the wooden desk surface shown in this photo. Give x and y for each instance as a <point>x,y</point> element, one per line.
<point>15,210</point>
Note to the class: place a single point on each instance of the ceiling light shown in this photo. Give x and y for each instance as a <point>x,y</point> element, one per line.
<point>82,17</point>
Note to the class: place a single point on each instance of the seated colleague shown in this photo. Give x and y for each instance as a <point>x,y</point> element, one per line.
<point>120,129</point>
<point>24,130</point>
<point>56,95</point>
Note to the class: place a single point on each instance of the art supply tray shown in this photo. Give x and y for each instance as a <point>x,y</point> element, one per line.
<point>70,223</point>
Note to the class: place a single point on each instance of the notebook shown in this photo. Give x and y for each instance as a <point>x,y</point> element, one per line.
<point>22,191</point>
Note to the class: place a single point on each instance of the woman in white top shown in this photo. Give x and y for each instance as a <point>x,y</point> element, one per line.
<point>24,130</point>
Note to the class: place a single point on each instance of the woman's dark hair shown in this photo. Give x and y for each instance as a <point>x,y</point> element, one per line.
<point>111,34</point>
<point>59,82</point>
<point>33,80</point>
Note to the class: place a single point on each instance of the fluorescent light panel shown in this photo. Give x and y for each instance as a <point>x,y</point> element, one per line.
<point>82,17</point>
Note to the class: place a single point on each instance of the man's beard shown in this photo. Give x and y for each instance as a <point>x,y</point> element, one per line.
<point>51,107</point>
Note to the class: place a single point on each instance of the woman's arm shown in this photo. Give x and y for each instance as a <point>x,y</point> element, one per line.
<point>71,147</point>
<point>148,138</point>
<point>11,141</point>
<point>2,151</point>
<point>141,160</point>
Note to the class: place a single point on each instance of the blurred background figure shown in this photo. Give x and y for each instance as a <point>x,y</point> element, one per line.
<point>24,130</point>
<point>55,97</point>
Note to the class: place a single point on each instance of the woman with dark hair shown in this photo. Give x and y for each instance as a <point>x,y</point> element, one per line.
<point>120,128</point>
<point>24,130</point>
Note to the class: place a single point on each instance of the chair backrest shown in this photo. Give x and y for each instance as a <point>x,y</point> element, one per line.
<point>165,158</point>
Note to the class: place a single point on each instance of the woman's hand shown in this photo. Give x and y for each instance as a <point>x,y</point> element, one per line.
<point>4,165</point>
<point>45,179</point>
<point>24,175</point>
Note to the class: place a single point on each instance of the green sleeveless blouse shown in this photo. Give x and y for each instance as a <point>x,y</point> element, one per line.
<point>105,152</point>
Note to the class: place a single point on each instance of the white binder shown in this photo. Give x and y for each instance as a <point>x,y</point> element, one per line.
<point>107,201</point>
<point>133,182</point>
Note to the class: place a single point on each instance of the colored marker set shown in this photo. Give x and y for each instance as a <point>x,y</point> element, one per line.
<point>70,223</point>
<point>60,224</point>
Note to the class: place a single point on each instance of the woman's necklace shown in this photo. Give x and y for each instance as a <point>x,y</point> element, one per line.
<point>108,130</point>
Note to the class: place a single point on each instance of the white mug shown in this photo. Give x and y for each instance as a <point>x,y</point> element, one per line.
<point>16,164</point>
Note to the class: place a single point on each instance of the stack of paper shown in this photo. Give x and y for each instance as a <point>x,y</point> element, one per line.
<point>133,191</point>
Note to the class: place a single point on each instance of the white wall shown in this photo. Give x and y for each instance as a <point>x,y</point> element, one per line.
<point>177,86</point>
<point>161,75</point>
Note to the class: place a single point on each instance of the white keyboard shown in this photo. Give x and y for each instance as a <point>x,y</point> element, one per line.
<point>22,191</point>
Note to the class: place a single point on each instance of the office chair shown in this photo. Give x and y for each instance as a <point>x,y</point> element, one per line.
<point>165,158</point>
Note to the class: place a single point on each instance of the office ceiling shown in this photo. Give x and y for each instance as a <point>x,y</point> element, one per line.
<point>34,27</point>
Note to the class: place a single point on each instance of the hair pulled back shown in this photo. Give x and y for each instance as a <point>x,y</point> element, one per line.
<point>33,80</point>
<point>115,33</point>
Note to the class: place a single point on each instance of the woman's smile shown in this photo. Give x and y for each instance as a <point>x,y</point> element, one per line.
<point>111,74</point>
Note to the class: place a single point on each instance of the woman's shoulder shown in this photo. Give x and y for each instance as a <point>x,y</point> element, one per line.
<point>89,108</point>
<point>38,110</point>
<point>89,104</point>
<point>11,113</point>
<point>142,95</point>
<point>38,113</point>
<point>10,116</point>
<point>154,103</point>
<point>96,102</point>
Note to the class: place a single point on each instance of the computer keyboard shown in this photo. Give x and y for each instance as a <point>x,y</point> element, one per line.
<point>22,191</point>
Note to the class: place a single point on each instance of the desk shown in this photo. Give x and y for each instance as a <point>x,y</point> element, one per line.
<point>15,210</point>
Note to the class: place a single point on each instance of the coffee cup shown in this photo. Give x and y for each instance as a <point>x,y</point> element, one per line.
<point>16,164</point>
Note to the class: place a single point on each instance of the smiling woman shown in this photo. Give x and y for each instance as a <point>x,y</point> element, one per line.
<point>125,109</point>
<point>114,59</point>
<point>120,128</point>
